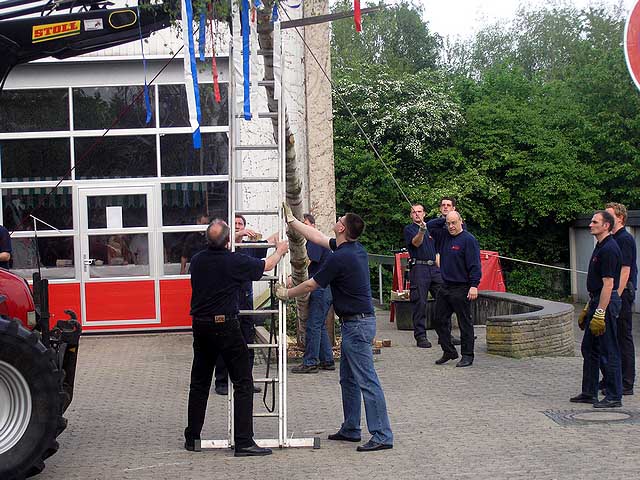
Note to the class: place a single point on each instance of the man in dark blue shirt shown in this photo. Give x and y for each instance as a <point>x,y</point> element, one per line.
<point>424,274</point>
<point>5,247</point>
<point>217,275</point>
<point>347,272</point>
<point>627,293</point>
<point>318,350</point>
<point>599,321</point>
<point>461,272</point>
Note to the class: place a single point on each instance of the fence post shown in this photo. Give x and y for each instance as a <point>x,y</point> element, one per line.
<point>380,281</point>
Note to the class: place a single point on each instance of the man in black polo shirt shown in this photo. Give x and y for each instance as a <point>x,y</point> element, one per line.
<point>461,271</point>
<point>347,272</point>
<point>217,275</point>
<point>5,247</point>
<point>424,274</point>
<point>599,322</point>
<point>627,293</point>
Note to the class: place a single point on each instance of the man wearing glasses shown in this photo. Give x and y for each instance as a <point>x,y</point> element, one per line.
<point>347,272</point>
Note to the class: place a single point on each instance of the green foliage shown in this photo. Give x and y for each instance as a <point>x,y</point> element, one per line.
<point>528,125</point>
<point>538,282</point>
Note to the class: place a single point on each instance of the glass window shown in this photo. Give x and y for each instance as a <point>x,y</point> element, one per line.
<point>96,108</point>
<point>182,203</point>
<point>53,207</point>
<point>130,209</point>
<point>119,255</point>
<point>35,159</point>
<point>179,157</point>
<point>174,111</point>
<point>56,257</point>
<point>116,157</point>
<point>34,110</point>
<point>179,248</point>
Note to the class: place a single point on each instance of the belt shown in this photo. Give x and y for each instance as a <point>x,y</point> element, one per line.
<point>215,318</point>
<point>425,262</point>
<point>354,317</point>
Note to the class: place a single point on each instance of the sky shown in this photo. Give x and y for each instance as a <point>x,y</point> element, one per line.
<point>464,17</point>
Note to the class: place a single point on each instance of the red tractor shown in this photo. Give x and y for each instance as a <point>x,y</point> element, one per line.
<point>37,371</point>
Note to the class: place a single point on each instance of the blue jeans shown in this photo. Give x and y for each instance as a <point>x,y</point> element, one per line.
<point>318,346</point>
<point>358,379</point>
<point>605,347</point>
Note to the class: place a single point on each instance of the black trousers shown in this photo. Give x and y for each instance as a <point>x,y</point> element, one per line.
<point>248,329</point>
<point>210,341</point>
<point>453,299</point>
<point>625,340</point>
<point>423,279</point>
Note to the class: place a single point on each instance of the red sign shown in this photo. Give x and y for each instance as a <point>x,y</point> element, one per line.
<point>632,43</point>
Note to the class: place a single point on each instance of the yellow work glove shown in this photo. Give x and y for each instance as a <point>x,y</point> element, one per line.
<point>597,324</point>
<point>288,214</point>
<point>281,293</point>
<point>583,316</point>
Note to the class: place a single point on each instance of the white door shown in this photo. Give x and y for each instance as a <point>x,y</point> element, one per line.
<point>119,285</point>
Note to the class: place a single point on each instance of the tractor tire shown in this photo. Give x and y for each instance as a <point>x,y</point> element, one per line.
<point>31,401</point>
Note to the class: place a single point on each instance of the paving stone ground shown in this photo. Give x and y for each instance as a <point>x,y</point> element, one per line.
<point>483,422</point>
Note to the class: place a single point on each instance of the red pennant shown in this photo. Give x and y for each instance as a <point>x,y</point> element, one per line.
<point>357,17</point>
<point>214,66</point>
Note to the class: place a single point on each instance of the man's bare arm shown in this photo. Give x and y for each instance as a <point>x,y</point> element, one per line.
<point>272,260</point>
<point>605,293</point>
<point>624,278</point>
<point>5,256</point>
<point>312,234</point>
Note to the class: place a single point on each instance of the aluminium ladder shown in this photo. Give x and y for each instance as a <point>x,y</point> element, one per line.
<point>274,152</point>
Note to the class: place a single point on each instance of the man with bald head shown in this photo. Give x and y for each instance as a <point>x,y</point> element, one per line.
<point>217,276</point>
<point>461,271</point>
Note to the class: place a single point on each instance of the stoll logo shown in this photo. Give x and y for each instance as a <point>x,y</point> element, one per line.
<point>52,31</point>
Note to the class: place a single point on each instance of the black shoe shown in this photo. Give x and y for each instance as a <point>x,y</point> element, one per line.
<point>252,451</point>
<point>455,340</point>
<point>372,446</point>
<point>342,438</point>
<point>604,403</point>
<point>257,389</point>
<point>465,361</point>
<point>189,445</point>
<point>422,342</point>
<point>583,398</point>
<point>302,368</point>
<point>627,391</point>
<point>222,389</point>
<point>446,357</point>
<point>327,365</point>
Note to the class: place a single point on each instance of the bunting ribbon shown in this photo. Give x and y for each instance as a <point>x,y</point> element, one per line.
<point>191,73</point>
<point>202,39</point>
<point>246,30</point>
<point>214,66</point>
<point>147,100</point>
<point>357,16</point>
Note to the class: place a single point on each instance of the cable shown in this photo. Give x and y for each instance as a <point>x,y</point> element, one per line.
<point>536,263</point>
<point>344,102</point>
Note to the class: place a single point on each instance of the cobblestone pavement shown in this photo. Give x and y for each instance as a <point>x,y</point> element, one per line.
<point>483,422</point>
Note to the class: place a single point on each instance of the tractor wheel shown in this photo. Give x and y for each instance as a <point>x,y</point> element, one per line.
<point>30,402</point>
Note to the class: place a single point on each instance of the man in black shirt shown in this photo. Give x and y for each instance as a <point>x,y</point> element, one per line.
<point>5,247</point>
<point>217,275</point>
<point>599,319</point>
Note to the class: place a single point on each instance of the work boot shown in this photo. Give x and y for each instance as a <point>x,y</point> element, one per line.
<point>423,342</point>
<point>466,361</point>
<point>302,368</point>
<point>327,365</point>
<point>446,357</point>
<point>222,389</point>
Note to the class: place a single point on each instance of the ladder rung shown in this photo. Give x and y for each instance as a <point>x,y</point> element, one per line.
<point>260,115</point>
<point>258,312</point>
<point>266,83</point>
<point>265,380</point>
<point>269,277</point>
<point>258,212</point>
<point>257,180</point>
<point>262,345</point>
<point>254,245</point>
<point>266,415</point>
<point>268,146</point>
<point>262,51</point>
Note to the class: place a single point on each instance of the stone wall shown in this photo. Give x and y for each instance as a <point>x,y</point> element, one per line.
<point>519,326</point>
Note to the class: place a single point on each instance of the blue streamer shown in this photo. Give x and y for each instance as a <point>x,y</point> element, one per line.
<point>147,99</point>
<point>274,13</point>
<point>246,28</point>
<point>258,4</point>
<point>194,73</point>
<point>202,41</point>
